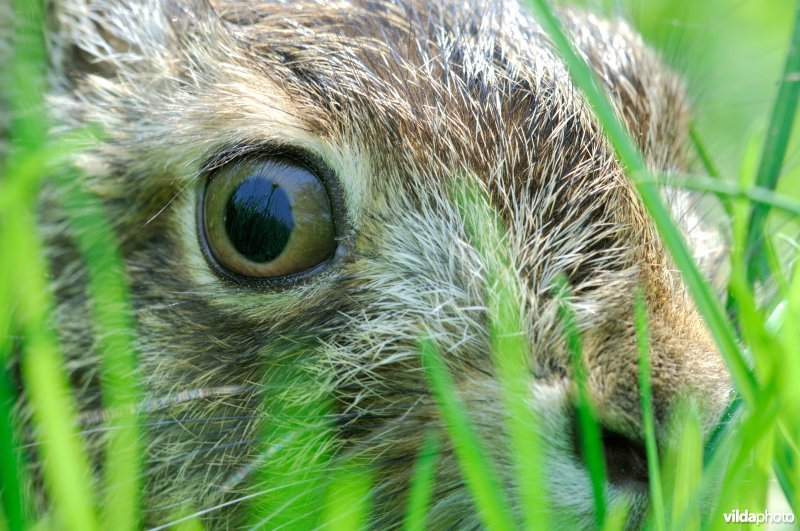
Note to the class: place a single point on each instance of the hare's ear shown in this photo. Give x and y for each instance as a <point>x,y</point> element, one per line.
<point>124,38</point>
<point>649,97</point>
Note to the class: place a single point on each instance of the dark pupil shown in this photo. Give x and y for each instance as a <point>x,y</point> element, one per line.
<point>258,219</point>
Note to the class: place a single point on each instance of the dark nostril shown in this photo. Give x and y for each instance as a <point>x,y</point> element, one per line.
<point>625,457</point>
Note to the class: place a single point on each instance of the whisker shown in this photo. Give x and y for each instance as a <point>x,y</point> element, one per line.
<point>244,471</point>
<point>229,503</point>
<point>167,205</point>
<point>263,522</point>
<point>200,451</point>
<point>171,422</point>
<point>97,416</point>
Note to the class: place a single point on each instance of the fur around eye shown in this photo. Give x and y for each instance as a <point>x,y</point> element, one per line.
<point>267,218</point>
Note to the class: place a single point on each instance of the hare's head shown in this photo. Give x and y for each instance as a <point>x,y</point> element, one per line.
<point>287,180</point>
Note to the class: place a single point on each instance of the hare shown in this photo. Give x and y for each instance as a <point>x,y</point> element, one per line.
<point>280,176</point>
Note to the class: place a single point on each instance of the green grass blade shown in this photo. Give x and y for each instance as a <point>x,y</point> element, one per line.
<point>422,483</point>
<point>66,470</point>
<point>591,442</point>
<point>481,480</point>
<point>193,524</point>
<point>776,349</point>
<point>710,481</point>
<point>648,421</point>
<point>730,190</point>
<point>15,505</point>
<point>775,262</point>
<point>114,330</point>
<point>66,467</point>
<point>748,437</point>
<point>708,164</point>
<point>348,500</point>
<point>786,471</point>
<point>790,339</point>
<point>775,146</point>
<point>787,373</point>
<point>723,429</point>
<point>630,157</point>
<point>702,152</point>
<point>688,472</point>
<point>296,444</point>
<point>510,352</point>
<point>617,515</point>
<point>28,77</point>
<point>186,519</point>
<point>588,428</point>
<point>13,475</point>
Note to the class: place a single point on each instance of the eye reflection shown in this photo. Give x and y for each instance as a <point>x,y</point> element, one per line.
<point>258,219</point>
<point>268,218</point>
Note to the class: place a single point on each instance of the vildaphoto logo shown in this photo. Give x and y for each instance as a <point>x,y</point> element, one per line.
<point>746,517</point>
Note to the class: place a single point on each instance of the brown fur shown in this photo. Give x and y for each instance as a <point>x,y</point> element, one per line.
<point>401,101</point>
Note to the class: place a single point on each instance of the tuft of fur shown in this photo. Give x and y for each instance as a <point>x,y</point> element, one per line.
<point>403,101</point>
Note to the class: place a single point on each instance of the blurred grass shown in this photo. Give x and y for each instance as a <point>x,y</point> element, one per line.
<point>348,498</point>
<point>26,294</point>
<point>763,436</point>
<point>588,428</point>
<point>648,421</point>
<point>27,299</point>
<point>422,483</point>
<point>510,349</point>
<point>773,154</point>
<point>295,464</point>
<point>482,480</point>
<point>120,378</point>
<point>732,54</point>
<point>684,471</point>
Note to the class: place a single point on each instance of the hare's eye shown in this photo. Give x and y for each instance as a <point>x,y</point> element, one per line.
<point>268,218</point>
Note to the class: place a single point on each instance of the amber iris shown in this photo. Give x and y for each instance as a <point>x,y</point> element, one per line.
<point>268,218</point>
